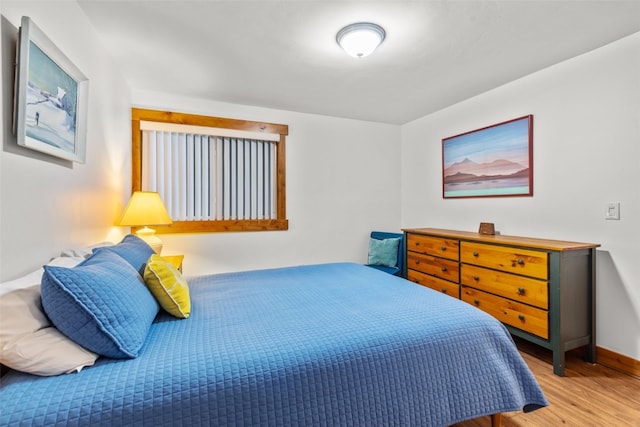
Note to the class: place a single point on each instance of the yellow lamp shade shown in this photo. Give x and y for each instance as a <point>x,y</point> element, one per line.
<point>146,208</point>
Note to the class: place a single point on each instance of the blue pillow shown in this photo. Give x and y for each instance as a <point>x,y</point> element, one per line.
<point>102,304</point>
<point>133,249</point>
<point>383,252</point>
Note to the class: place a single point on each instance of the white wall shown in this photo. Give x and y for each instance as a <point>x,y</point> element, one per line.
<point>342,182</point>
<point>586,153</point>
<point>342,175</point>
<point>2,125</point>
<point>48,204</point>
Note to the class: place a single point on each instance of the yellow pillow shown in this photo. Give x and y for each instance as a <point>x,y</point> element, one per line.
<point>168,286</point>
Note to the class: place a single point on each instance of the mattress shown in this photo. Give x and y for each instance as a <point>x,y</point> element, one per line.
<point>315,345</point>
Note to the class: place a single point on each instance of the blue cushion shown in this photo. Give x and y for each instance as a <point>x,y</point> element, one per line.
<point>102,304</point>
<point>383,252</point>
<point>132,248</point>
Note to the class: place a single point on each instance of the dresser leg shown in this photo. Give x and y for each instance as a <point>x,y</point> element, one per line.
<point>558,362</point>
<point>590,353</point>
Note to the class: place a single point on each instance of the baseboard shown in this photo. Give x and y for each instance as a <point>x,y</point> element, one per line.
<point>617,361</point>
<point>604,357</point>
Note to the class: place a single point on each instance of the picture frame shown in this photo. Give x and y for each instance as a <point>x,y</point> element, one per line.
<point>493,161</point>
<point>51,95</point>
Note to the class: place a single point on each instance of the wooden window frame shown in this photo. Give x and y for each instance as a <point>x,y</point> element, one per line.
<point>279,223</point>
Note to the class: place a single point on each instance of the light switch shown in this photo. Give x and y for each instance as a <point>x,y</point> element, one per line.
<point>613,211</point>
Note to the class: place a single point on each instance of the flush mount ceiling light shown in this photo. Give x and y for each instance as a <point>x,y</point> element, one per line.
<point>360,39</point>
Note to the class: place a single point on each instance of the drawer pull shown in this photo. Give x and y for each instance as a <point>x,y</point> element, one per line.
<point>476,278</point>
<point>444,291</point>
<point>443,269</point>
<point>521,317</point>
<point>443,248</point>
<point>476,301</point>
<point>520,261</point>
<point>417,262</point>
<point>520,291</point>
<point>475,254</point>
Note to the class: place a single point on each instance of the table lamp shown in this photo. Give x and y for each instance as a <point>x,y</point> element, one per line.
<point>145,208</point>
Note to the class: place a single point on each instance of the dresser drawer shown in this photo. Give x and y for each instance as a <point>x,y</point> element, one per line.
<point>437,246</point>
<point>440,267</point>
<point>518,315</point>
<point>529,291</point>
<point>451,289</point>
<point>510,259</point>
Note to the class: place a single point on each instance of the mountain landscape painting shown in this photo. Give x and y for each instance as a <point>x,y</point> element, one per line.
<point>494,161</point>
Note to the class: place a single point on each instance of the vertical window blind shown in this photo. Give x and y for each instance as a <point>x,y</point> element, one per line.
<point>205,173</point>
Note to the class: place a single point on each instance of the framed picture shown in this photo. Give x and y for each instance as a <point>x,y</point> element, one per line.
<point>51,97</point>
<point>495,161</point>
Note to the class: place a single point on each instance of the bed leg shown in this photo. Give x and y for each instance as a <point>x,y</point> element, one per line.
<point>496,420</point>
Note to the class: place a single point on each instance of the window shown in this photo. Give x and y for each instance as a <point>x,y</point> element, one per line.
<point>213,174</point>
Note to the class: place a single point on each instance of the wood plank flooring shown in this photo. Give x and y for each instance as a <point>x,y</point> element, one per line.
<point>587,396</point>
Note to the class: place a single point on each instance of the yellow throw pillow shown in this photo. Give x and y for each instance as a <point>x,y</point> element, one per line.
<point>168,286</point>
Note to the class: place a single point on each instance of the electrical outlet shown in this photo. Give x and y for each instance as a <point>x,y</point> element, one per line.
<point>613,211</point>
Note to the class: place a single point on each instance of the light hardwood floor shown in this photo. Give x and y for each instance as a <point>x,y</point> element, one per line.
<point>587,396</point>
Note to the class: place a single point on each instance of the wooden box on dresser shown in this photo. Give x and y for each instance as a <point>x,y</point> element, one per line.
<point>542,290</point>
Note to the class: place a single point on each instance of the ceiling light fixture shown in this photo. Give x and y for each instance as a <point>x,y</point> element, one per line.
<point>360,39</point>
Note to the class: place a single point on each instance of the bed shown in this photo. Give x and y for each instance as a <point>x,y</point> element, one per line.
<point>314,345</point>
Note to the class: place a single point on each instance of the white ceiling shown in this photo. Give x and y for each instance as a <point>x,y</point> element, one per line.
<point>283,54</point>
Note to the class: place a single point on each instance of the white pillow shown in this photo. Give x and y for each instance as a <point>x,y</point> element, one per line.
<point>65,261</point>
<point>34,277</point>
<point>83,252</point>
<point>30,279</point>
<point>28,341</point>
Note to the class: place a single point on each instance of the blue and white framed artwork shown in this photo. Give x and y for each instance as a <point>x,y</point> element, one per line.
<point>51,97</point>
<point>494,161</point>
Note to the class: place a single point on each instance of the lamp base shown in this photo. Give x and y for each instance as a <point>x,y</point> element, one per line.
<point>149,235</point>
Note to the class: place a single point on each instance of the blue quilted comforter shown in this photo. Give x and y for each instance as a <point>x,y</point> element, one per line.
<point>327,345</point>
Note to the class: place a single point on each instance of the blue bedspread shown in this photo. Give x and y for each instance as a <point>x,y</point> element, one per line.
<point>327,345</point>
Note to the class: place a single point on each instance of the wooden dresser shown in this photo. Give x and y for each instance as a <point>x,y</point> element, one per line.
<point>542,290</point>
